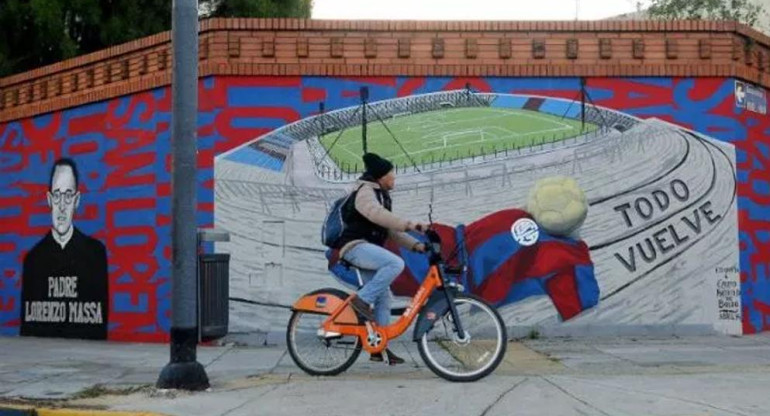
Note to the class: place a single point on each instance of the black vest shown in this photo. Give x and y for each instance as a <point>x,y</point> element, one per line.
<point>358,227</point>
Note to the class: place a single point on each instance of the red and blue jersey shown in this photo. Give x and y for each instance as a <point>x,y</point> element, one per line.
<point>499,268</point>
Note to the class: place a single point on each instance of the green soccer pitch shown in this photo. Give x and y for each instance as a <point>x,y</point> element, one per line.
<point>451,134</point>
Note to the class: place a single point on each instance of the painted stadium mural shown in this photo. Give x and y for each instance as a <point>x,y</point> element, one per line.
<point>651,216</point>
<point>626,209</point>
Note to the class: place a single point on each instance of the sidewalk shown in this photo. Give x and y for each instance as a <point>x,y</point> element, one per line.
<point>672,376</point>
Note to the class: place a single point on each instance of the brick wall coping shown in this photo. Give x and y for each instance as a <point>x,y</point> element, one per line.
<point>293,47</point>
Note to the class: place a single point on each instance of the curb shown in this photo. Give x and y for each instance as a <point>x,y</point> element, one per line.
<point>10,410</point>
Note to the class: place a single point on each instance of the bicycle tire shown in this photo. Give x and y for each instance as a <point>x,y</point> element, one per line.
<point>297,358</point>
<point>444,373</point>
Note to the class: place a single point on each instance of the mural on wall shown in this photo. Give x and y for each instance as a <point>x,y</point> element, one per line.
<point>661,199</point>
<point>64,276</point>
<point>656,161</point>
<point>122,149</point>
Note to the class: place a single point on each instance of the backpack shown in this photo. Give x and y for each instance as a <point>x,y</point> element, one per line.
<point>334,223</point>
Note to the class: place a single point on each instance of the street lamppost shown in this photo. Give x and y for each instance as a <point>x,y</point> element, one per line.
<point>183,370</point>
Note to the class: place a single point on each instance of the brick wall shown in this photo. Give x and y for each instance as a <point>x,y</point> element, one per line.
<point>370,48</point>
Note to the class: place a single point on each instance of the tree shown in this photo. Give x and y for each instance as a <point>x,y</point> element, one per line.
<point>744,11</point>
<point>41,32</point>
<point>255,8</point>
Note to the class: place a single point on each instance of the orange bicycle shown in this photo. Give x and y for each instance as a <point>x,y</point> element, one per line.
<point>460,336</point>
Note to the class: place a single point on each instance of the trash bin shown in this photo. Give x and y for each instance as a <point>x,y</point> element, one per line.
<point>213,287</point>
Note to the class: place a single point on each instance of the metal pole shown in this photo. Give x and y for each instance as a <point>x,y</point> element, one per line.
<point>364,97</point>
<point>183,370</point>
<point>321,109</point>
<point>582,104</point>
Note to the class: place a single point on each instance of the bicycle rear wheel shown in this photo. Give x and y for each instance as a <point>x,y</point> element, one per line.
<point>473,357</point>
<point>314,354</point>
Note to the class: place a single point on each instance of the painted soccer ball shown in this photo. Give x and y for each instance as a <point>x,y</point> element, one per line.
<point>558,205</point>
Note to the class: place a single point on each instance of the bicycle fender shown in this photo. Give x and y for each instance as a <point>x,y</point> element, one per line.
<point>434,308</point>
<point>326,301</point>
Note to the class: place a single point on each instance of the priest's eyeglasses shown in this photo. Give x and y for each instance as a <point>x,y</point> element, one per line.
<point>68,196</point>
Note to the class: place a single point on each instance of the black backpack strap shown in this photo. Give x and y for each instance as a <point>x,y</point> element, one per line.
<point>346,205</point>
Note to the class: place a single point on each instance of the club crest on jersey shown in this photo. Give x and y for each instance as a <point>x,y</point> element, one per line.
<point>525,231</point>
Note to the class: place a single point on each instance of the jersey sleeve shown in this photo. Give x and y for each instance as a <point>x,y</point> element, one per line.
<point>503,271</point>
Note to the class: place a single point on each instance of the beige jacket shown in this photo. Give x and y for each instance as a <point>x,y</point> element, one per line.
<point>367,205</point>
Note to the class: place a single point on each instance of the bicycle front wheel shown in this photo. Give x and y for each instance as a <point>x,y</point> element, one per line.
<point>472,357</point>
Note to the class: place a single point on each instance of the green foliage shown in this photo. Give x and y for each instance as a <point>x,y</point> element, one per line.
<point>42,32</point>
<point>744,11</point>
<point>256,8</point>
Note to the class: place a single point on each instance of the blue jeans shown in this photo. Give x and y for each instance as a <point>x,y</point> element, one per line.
<point>379,268</point>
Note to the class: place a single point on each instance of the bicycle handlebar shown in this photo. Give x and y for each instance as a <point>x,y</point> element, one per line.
<point>433,247</point>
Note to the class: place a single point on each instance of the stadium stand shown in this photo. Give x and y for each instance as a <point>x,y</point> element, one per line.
<point>567,108</point>
<point>272,150</point>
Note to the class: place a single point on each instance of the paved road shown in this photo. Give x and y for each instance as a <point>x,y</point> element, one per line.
<point>674,376</point>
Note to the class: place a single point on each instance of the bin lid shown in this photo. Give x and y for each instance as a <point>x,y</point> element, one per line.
<point>213,234</point>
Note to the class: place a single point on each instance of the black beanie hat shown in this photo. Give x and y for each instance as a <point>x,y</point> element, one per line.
<point>376,166</point>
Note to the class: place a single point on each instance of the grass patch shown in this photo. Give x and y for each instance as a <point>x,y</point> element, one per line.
<point>452,134</point>
<point>533,334</point>
<point>99,390</point>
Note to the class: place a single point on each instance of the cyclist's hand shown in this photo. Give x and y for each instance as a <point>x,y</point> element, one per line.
<point>419,227</point>
<point>419,248</point>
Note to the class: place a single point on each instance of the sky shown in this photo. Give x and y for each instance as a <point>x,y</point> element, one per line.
<point>472,9</point>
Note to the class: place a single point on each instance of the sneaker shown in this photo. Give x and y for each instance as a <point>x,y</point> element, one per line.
<point>362,308</point>
<point>393,359</point>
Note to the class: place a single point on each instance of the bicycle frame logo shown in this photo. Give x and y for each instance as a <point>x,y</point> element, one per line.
<point>411,310</point>
<point>525,232</point>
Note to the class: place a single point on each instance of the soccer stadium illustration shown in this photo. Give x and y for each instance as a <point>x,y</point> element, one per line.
<point>659,199</point>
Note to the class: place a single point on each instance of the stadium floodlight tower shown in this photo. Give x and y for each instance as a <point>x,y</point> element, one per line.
<point>364,98</point>
<point>321,110</point>
<point>365,108</point>
<point>583,95</point>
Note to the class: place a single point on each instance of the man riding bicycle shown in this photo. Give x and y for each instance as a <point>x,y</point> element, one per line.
<point>369,223</point>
